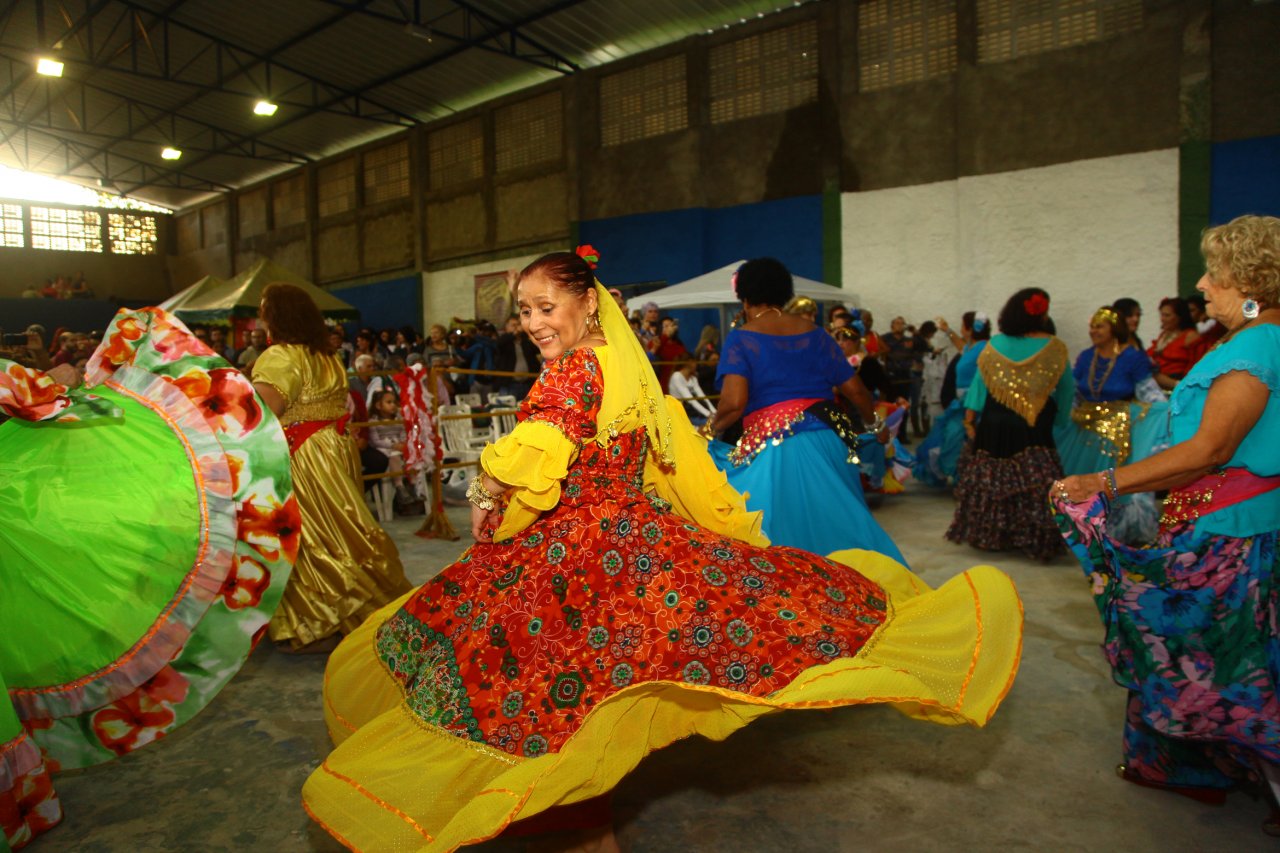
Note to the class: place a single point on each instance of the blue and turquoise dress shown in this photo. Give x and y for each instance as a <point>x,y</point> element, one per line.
<point>1110,427</point>
<point>790,461</point>
<point>1191,622</point>
<point>939,453</point>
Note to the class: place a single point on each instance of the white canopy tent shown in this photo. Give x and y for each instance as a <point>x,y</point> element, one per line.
<point>715,289</point>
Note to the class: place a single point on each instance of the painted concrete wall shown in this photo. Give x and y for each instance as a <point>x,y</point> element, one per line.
<point>1088,232</point>
<point>452,293</point>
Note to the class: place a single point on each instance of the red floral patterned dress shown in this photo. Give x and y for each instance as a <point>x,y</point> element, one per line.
<point>515,643</point>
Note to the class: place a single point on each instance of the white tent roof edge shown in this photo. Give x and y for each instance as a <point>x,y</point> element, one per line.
<point>715,288</point>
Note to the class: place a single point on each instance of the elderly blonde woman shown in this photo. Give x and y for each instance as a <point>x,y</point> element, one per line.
<point>1191,622</point>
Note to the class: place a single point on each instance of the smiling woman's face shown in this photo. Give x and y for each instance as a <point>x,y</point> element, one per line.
<point>554,318</point>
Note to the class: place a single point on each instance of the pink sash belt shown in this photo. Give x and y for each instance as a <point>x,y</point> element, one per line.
<point>1212,492</point>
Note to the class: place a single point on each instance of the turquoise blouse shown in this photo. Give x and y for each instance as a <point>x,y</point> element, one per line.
<point>1255,350</point>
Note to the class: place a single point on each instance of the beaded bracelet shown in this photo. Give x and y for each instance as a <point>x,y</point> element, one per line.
<point>1109,478</point>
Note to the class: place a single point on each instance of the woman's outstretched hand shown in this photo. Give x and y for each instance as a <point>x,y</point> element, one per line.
<point>484,522</point>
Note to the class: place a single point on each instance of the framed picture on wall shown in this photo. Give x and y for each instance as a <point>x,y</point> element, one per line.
<point>495,298</point>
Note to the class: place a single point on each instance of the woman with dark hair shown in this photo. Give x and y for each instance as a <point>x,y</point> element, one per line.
<point>1130,312</point>
<point>1021,387</point>
<point>1119,416</point>
<point>797,458</point>
<point>1177,347</point>
<point>347,565</point>
<point>939,453</point>
<point>618,598</point>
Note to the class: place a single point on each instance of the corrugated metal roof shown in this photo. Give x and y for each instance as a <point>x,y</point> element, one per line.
<point>144,73</point>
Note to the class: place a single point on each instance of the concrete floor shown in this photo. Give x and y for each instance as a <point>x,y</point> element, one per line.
<point>1039,777</point>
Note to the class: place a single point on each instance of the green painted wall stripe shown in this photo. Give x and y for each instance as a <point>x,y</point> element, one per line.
<point>832,238</point>
<point>1194,176</point>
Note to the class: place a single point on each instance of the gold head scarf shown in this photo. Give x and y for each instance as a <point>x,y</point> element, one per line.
<point>1107,315</point>
<point>635,387</point>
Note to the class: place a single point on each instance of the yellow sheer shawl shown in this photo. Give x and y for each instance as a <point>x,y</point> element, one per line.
<point>535,456</point>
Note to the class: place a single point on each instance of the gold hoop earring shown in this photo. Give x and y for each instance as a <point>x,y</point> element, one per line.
<point>593,322</point>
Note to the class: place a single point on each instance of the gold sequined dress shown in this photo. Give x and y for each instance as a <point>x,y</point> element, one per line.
<point>347,565</point>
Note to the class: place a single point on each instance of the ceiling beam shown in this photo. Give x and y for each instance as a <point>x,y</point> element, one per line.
<point>411,69</point>
<point>337,96</point>
<point>491,30</point>
<point>71,90</point>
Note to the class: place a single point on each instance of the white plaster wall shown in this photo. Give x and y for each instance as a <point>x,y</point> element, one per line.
<point>452,293</point>
<point>1088,232</point>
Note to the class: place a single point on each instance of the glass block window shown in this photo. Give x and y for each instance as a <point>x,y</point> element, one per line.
<point>66,230</point>
<point>386,173</point>
<point>765,73</point>
<point>647,101</point>
<point>455,154</point>
<point>905,41</point>
<point>12,233</point>
<point>336,187</point>
<point>289,201</point>
<point>1008,29</point>
<point>132,234</point>
<point>528,133</point>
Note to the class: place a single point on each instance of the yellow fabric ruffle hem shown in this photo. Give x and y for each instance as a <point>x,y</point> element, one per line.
<point>395,783</point>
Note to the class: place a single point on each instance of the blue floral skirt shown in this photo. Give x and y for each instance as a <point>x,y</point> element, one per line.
<point>1191,633</point>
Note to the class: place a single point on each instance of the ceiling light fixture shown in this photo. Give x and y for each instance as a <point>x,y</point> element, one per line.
<point>418,31</point>
<point>170,153</point>
<point>48,67</point>
<point>265,108</point>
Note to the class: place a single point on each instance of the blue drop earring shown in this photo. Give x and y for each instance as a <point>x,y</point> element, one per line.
<point>1249,309</point>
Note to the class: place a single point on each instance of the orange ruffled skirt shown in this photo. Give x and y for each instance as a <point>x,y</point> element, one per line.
<point>395,782</point>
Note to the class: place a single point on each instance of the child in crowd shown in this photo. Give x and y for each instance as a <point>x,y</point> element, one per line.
<point>389,440</point>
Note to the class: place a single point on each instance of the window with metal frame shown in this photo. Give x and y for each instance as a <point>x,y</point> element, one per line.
<point>905,41</point>
<point>764,73</point>
<point>528,132</point>
<point>455,154</point>
<point>66,230</point>
<point>336,187</point>
<point>12,231</point>
<point>386,173</point>
<point>1008,29</point>
<point>132,234</point>
<point>644,102</point>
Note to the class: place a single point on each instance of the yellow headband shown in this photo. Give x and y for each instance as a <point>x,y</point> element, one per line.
<point>1107,314</point>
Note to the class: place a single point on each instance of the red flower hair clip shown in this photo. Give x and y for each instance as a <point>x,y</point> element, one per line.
<point>1036,304</point>
<point>588,254</point>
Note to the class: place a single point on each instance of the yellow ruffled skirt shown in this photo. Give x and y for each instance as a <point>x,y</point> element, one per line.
<point>396,783</point>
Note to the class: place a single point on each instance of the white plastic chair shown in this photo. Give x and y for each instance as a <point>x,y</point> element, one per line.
<point>460,440</point>
<point>382,495</point>
<point>503,424</point>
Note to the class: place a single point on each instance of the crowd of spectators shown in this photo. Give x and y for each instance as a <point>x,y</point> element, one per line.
<point>60,287</point>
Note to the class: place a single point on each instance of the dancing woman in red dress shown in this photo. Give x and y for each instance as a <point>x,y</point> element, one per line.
<point>618,598</point>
